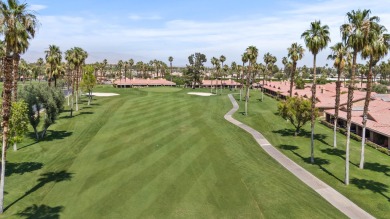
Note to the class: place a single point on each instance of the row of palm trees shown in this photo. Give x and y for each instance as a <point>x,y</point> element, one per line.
<point>362,35</point>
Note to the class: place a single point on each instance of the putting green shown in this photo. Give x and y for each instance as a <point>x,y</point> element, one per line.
<point>138,155</point>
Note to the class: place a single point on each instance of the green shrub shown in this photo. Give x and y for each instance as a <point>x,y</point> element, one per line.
<point>379,88</point>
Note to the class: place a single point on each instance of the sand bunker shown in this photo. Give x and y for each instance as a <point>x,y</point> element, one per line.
<point>104,94</point>
<point>201,94</point>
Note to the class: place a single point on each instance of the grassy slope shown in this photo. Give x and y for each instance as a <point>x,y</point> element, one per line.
<point>369,188</point>
<point>154,154</point>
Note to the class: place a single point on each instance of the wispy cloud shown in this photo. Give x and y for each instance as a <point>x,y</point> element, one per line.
<point>103,38</point>
<point>37,7</point>
<point>136,17</point>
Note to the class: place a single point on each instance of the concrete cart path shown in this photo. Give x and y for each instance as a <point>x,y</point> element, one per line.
<point>339,201</point>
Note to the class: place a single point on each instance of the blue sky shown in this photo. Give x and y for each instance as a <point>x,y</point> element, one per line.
<point>146,30</point>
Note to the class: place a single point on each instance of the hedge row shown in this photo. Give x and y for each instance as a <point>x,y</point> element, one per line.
<point>357,138</point>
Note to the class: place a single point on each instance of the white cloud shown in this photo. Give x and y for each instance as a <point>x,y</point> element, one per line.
<point>136,17</point>
<point>37,7</point>
<point>103,38</point>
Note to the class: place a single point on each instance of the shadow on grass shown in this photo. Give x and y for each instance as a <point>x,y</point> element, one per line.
<point>41,212</point>
<point>22,168</point>
<point>320,162</point>
<point>377,167</point>
<point>43,180</point>
<point>337,152</point>
<point>372,185</point>
<point>291,132</point>
<point>75,114</point>
<point>56,135</point>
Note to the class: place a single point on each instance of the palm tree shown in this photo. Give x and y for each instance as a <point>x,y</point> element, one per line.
<point>40,63</point>
<point>244,59</point>
<point>215,63</point>
<point>316,39</point>
<point>355,34</point>
<point>234,68</point>
<point>377,48</point>
<point>269,61</point>
<point>170,59</point>
<point>131,63</point>
<point>15,20</point>
<point>20,46</point>
<point>53,58</point>
<point>295,53</point>
<point>252,53</point>
<point>103,67</point>
<point>119,65</point>
<point>339,55</point>
<point>222,59</point>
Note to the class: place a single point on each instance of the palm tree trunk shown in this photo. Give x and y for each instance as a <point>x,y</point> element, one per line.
<point>292,78</point>
<point>16,59</point>
<point>15,147</point>
<point>365,110</point>
<point>247,91</point>
<point>313,107</point>
<point>337,106</point>
<point>7,92</point>
<point>349,116</point>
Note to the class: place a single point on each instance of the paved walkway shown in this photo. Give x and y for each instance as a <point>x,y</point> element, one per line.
<point>339,201</point>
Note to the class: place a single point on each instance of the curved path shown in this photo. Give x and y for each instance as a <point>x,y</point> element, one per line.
<point>339,201</point>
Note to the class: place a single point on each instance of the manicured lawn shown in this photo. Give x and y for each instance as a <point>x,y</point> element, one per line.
<point>369,188</point>
<point>153,155</point>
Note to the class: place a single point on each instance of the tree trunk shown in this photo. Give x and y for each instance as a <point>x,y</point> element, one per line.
<point>292,78</point>
<point>365,111</point>
<point>15,147</point>
<point>7,92</point>
<point>16,59</point>
<point>36,133</point>
<point>55,80</point>
<point>247,91</point>
<point>313,107</point>
<point>349,115</point>
<point>337,106</point>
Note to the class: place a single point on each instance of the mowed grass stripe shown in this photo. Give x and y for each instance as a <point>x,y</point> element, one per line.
<point>182,159</point>
<point>130,185</point>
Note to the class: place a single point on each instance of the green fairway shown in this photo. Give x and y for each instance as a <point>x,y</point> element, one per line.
<point>369,188</point>
<point>162,89</point>
<point>153,155</point>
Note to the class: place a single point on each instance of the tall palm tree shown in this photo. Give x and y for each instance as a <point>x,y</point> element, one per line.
<point>15,20</point>
<point>214,62</point>
<point>252,53</point>
<point>339,56</point>
<point>131,63</point>
<point>244,59</point>
<point>269,61</point>
<point>234,68</point>
<point>119,65</point>
<point>316,39</point>
<point>53,58</point>
<point>376,49</point>
<point>295,53</point>
<point>103,67</point>
<point>222,59</point>
<point>40,63</point>
<point>355,34</point>
<point>170,59</point>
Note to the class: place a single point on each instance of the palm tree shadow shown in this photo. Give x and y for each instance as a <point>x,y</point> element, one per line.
<point>45,178</point>
<point>377,167</point>
<point>372,185</point>
<point>303,133</point>
<point>337,152</point>
<point>22,168</point>
<point>41,212</point>
<point>320,162</point>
